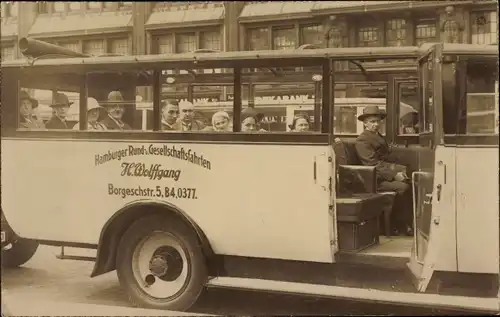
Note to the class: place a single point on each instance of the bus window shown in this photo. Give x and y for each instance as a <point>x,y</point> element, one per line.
<point>121,101</point>
<point>286,99</point>
<point>480,114</point>
<point>189,102</point>
<point>48,102</point>
<point>408,109</point>
<point>350,99</point>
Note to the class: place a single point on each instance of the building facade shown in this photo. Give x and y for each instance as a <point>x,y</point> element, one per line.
<point>102,28</point>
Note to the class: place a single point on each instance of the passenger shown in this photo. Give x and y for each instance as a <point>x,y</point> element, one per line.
<point>301,123</point>
<point>115,109</point>
<point>258,116</point>
<point>169,115</point>
<point>373,150</point>
<point>27,120</point>
<point>94,110</point>
<point>220,122</point>
<point>60,106</point>
<point>187,120</point>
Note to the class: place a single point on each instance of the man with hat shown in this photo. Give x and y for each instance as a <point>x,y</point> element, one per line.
<point>373,150</point>
<point>27,120</point>
<point>187,120</point>
<point>60,106</point>
<point>115,110</point>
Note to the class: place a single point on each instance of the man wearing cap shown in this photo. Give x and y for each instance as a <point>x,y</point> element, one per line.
<point>187,120</point>
<point>60,106</point>
<point>373,150</point>
<point>26,106</point>
<point>115,110</point>
<point>169,115</point>
<point>93,113</point>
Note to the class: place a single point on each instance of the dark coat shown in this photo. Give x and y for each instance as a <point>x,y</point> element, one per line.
<point>373,150</point>
<point>34,123</point>
<point>56,123</point>
<point>196,125</point>
<point>111,124</point>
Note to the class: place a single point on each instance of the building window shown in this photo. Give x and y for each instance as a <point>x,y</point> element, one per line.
<point>94,47</point>
<point>118,46</point>
<point>59,6</point>
<point>484,27</point>
<point>396,32</point>
<point>312,34</point>
<point>284,38</point>
<point>210,40</point>
<point>7,53</point>
<point>258,39</point>
<point>74,6</point>
<point>126,5</point>
<point>165,44</point>
<point>43,7</point>
<point>108,5</point>
<point>186,42</point>
<point>73,45</point>
<point>3,6</point>
<point>13,7</point>
<point>368,36</point>
<point>94,5</point>
<point>425,31</point>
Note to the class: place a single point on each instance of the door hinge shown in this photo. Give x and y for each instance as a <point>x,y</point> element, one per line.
<point>333,242</point>
<point>330,209</point>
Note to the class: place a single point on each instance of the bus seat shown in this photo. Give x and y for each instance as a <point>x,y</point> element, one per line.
<point>357,186</point>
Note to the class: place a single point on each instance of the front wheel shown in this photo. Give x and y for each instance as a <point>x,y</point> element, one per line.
<point>160,264</point>
<point>18,253</point>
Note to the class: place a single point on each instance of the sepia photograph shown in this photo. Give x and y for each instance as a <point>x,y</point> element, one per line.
<point>250,158</point>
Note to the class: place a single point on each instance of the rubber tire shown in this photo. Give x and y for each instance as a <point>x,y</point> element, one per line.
<point>20,252</point>
<point>186,238</point>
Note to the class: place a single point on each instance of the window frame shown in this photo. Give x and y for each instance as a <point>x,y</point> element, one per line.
<point>311,138</point>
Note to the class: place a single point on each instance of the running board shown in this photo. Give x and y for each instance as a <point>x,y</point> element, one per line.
<point>75,257</point>
<point>412,299</point>
<point>63,256</point>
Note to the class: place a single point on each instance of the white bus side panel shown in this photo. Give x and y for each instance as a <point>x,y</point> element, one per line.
<point>477,210</point>
<point>254,200</point>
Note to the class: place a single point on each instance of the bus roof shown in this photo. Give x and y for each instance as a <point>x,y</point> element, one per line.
<point>245,58</point>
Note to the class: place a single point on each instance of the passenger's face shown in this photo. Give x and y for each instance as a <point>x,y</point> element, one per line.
<point>187,113</point>
<point>170,113</point>
<point>116,111</point>
<point>25,108</point>
<point>221,124</point>
<point>372,124</point>
<point>249,125</point>
<point>301,125</point>
<point>93,115</point>
<point>61,112</point>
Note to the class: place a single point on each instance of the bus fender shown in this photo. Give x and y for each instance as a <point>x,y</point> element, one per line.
<point>116,226</point>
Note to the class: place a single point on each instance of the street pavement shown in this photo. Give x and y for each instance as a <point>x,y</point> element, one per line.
<point>48,286</point>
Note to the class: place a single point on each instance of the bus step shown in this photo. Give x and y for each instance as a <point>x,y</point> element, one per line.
<point>75,257</point>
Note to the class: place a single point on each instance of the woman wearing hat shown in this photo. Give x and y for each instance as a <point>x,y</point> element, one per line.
<point>301,123</point>
<point>220,122</point>
<point>60,106</point>
<point>115,110</point>
<point>250,119</point>
<point>93,113</point>
<point>26,119</point>
<point>373,150</point>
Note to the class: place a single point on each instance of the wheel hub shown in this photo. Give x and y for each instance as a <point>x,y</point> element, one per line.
<point>158,265</point>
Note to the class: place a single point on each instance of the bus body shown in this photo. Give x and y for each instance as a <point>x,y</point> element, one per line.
<point>174,212</point>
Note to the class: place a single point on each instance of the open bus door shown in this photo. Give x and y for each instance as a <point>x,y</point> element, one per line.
<point>428,181</point>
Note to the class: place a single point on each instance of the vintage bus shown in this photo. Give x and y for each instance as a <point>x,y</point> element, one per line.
<point>175,212</point>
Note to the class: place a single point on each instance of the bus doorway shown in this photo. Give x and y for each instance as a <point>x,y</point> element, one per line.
<point>430,178</point>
